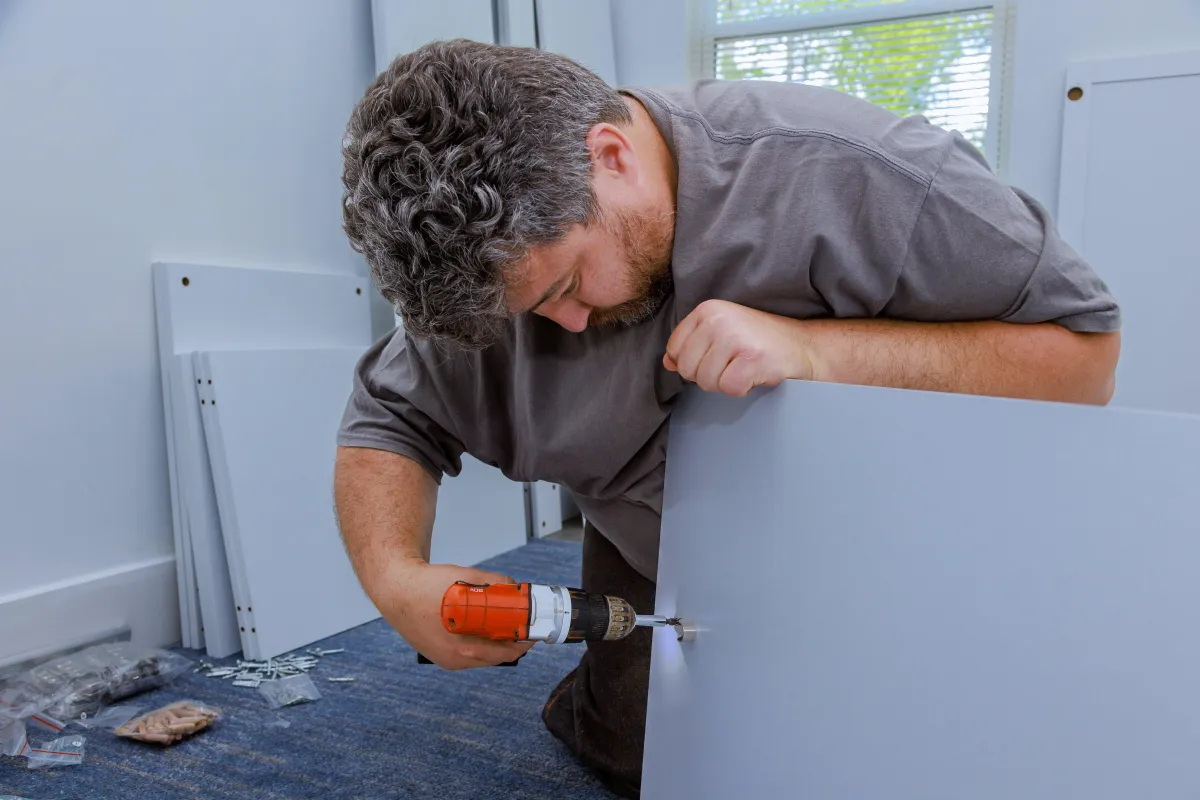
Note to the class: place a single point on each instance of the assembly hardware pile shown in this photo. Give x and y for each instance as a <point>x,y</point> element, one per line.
<point>250,674</point>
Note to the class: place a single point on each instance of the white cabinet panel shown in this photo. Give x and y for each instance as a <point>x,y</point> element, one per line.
<point>1128,203</point>
<point>916,595</point>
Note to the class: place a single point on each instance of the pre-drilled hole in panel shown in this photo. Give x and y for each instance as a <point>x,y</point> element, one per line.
<point>186,281</point>
<point>1074,93</point>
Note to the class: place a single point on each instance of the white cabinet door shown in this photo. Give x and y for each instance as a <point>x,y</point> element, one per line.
<point>915,595</point>
<point>1128,203</point>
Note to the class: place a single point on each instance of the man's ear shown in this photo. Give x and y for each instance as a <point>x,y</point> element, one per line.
<point>612,153</point>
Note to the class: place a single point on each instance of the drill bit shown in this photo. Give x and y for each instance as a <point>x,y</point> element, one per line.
<point>655,620</point>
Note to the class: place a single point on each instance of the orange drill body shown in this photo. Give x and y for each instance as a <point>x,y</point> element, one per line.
<point>499,611</point>
<point>517,612</point>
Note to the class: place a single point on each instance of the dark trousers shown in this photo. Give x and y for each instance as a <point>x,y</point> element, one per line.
<point>599,709</point>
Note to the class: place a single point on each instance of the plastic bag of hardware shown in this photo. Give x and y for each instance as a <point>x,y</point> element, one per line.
<point>46,723</point>
<point>289,691</point>
<point>88,680</point>
<point>170,724</point>
<point>111,717</point>
<point>12,739</point>
<point>64,751</point>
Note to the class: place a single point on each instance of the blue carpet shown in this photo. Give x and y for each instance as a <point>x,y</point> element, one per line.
<point>401,730</point>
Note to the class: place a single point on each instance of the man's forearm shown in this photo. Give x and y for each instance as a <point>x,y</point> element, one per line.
<point>1036,362</point>
<point>385,508</point>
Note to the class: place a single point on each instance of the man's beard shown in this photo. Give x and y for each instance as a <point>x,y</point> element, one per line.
<point>646,242</point>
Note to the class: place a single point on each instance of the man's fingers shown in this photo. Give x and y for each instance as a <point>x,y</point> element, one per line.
<point>712,366</point>
<point>479,576</point>
<point>738,377</point>
<point>693,351</point>
<point>485,652</point>
<point>678,336</point>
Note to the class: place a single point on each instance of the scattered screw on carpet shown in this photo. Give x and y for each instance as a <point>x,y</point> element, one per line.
<point>251,674</point>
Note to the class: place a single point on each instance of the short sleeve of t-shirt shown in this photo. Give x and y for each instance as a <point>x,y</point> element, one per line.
<point>983,250</point>
<point>392,406</point>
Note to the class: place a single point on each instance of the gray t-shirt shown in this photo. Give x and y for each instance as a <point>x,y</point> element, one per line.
<point>792,199</point>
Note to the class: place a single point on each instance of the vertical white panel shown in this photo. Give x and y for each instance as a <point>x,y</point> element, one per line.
<point>1128,202</point>
<point>546,508</point>
<point>205,549</point>
<point>581,30</point>
<point>272,465</point>
<point>961,597</point>
<point>1049,36</point>
<point>202,306</point>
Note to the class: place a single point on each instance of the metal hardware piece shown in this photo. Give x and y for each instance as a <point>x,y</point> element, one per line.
<point>685,630</point>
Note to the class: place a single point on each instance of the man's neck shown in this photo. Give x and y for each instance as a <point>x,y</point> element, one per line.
<point>652,148</point>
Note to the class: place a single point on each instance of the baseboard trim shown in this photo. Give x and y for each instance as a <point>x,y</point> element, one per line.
<point>141,597</point>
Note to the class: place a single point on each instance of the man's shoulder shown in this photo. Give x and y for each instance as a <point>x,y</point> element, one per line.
<point>750,114</point>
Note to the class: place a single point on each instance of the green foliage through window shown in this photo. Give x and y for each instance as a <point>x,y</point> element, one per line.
<point>938,66</point>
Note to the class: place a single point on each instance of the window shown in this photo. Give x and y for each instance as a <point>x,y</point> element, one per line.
<point>939,58</point>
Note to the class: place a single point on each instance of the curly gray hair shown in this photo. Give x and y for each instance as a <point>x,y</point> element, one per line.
<point>458,159</point>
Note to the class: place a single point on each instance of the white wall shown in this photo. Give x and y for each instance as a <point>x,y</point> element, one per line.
<point>1052,33</point>
<point>135,131</point>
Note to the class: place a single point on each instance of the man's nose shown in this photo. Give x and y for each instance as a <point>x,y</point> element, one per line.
<point>570,314</point>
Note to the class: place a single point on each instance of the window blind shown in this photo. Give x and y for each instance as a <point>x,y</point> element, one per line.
<point>743,10</point>
<point>937,65</point>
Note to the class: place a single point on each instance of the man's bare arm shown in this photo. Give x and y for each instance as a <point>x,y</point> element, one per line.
<point>385,508</point>
<point>1035,362</point>
<point>730,348</point>
<point>386,505</point>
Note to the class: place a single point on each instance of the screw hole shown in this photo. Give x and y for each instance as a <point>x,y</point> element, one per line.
<point>358,291</point>
<point>243,630</point>
<point>1074,93</point>
<point>198,381</point>
<point>202,401</point>
<point>248,608</point>
<point>239,608</point>
<point>210,381</point>
<point>186,282</point>
<point>254,630</point>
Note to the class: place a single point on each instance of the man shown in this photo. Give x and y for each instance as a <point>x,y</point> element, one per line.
<point>566,258</point>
